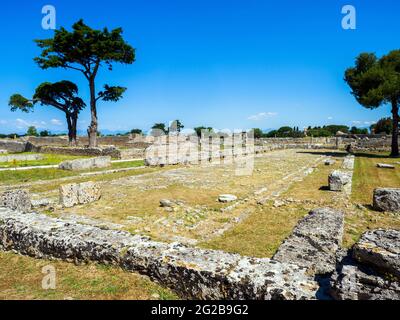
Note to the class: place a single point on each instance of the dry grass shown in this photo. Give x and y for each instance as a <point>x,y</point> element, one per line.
<point>366,178</point>
<point>261,233</point>
<point>21,279</point>
<point>135,201</point>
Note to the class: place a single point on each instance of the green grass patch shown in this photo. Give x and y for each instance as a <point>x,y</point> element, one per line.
<point>367,176</point>
<point>48,159</point>
<point>32,175</point>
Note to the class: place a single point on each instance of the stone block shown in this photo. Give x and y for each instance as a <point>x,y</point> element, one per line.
<point>81,193</point>
<point>85,164</point>
<point>19,200</point>
<point>338,179</point>
<point>314,241</point>
<point>387,199</point>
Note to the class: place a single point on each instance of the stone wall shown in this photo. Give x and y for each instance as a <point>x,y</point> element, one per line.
<point>309,265</point>
<point>368,143</point>
<point>21,157</point>
<point>127,141</point>
<point>191,272</point>
<point>12,146</point>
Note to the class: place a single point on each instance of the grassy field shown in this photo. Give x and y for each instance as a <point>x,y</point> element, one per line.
<point>21,279</point>
<point>263,231</point>
<point>367,176</point>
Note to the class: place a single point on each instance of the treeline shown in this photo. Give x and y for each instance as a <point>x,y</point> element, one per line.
<point>383,126</point>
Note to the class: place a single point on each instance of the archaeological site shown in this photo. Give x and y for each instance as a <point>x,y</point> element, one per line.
<point>301,203</point>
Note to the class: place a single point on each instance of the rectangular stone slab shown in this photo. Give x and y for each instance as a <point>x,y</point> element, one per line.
<point>193,273</point>
<point>84,164</point>
<point>380,249</point>
<point>314,241</point>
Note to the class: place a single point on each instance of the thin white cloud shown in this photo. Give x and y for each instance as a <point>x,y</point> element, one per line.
<point>261,116</point>
<point>358,122</point>
<point>3,121</point>
<point>56,122</point>
<point>330,118</point>
<point>21,124</point>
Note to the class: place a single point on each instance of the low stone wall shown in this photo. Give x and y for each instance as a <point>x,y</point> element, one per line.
<point>370,270</point>
<point>191,272</point>
<point>13,146</point>
<point>126,141</point>
<point>84,164</point>
<point>21,157</point>
<point>377,144</point>
<point>322,228</point>
<point>188,152</point>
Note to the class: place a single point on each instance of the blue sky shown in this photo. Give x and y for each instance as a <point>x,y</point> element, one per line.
<point>222,63</point>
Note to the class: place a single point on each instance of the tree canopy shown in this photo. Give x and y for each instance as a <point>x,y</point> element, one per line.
<point>62,95</point>
<point>86,50</point>
<point>384,125</point>
<point>375,82</point>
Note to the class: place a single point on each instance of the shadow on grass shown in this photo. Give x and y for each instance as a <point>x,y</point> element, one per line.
<point>326,153</point>
<point>324,188</point>
<point>373,156</point>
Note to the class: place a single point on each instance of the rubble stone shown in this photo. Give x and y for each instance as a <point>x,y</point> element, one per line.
<point>380,249</point>
<point>227,198</point>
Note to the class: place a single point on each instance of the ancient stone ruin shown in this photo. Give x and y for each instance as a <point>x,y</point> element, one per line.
<point>387,199</point>
<point>18,200</point>
<point>322,228</point>
<point>84,164</point>
<point>338,179</point>
<point>79,193</point>
<point>209,274</point>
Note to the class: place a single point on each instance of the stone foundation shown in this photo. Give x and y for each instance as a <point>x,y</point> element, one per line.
<point>314,242</point>
<point>191,272</point>
<point>84,164</point>
<point>21,157</point>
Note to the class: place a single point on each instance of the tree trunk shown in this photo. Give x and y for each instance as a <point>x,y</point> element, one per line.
<point>395,136</point>
<point>74,121</point>
<point>92,130</point>
<point>69,123</point>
